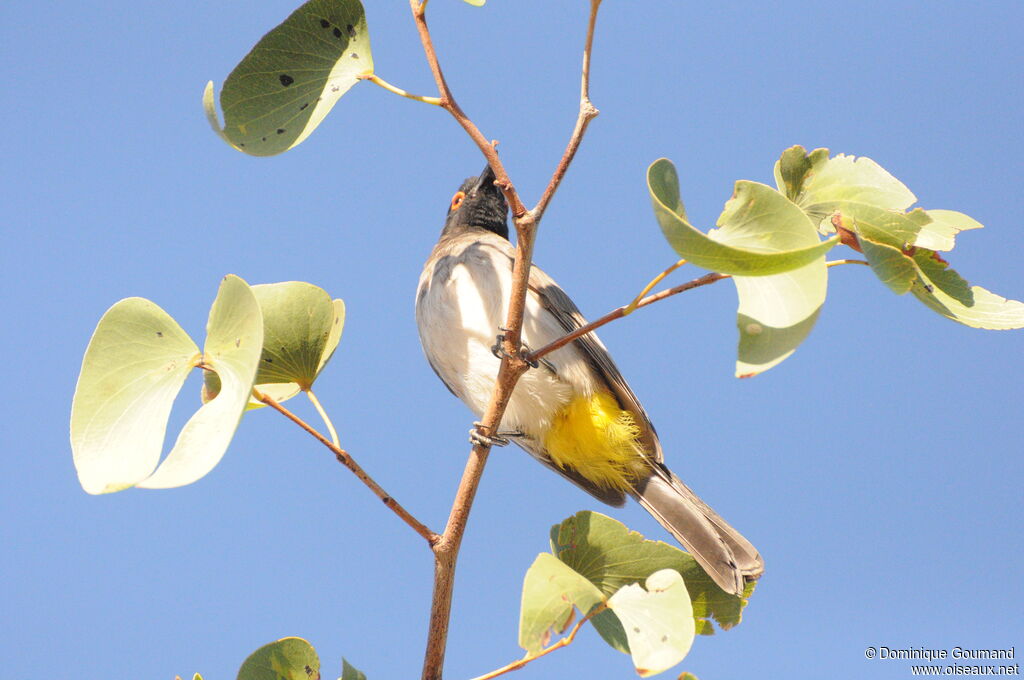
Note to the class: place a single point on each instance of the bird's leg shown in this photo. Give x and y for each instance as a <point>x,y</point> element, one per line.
<point>478,437</point>
<point>499,351</point>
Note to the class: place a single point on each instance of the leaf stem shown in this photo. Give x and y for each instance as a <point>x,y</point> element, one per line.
<point>324,416</point>
<point>345,459</point>
<point>631,307</point>
<point>833,263</point>
<point>564,642</point>
<point>377,80</point>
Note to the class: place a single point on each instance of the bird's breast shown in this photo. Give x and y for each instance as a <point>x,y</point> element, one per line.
<point>461,304</point>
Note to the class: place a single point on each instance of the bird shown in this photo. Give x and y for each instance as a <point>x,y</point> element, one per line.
<point>573,411</point>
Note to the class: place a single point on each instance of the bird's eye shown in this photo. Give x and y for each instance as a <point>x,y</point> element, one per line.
<point>457,199</point>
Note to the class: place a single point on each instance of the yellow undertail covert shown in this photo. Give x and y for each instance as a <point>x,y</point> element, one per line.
<point>595,437</point>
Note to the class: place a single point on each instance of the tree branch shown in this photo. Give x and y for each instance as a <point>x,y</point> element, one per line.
<point>564,642</point>
<point>512,366</point>
<point>623,311</point>
<point>345,459</point>
<point>419,13</point>
<point>587,113</point>
<point>649,300</point>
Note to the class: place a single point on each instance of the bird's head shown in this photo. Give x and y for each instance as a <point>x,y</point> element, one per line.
<point>478,203</point>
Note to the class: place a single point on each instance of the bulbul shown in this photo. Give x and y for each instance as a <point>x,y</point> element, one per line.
<point>574,411</point>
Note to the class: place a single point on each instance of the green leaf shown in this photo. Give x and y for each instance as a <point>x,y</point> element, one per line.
<point>233,341</point>
<point>944,291</point>
<point>793,168</point>
<point>925,274</point>
<point>301,329</point>
<point>776,313</point>
<point>754,215</point>
<point>940,233</point>
<point>550,590</point>
<point>135,364</point>
<point>870,199</point>
<point>281,91</point>
<point>349,672</point>
<point>290,658</point>
<point>687,676</point>
<point>611,556</point>
<point>475,3</point>
<point>657,621</point>
<point>937,273</point>
<point>891,266</point>
<point>850,180</point>
<point>297,321</point>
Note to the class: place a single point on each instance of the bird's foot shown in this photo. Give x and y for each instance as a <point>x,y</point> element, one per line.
<point>498,351</point>
<point>479,438</point>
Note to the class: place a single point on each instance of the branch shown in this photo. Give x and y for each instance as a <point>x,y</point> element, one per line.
<point>587,113</point>
<point>623,311</point>
<point>564,642</point>
<point>345,459</point>
<point>649,300</point>
<point>447,102</point>
<point>512,366</point>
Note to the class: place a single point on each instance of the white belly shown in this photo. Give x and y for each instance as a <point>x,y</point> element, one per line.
<point>460,307</point>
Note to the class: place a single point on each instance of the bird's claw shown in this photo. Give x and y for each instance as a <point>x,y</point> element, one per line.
<point>479,438</point>
<point>498,351</point>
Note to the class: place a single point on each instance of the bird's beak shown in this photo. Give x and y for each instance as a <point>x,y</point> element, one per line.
<point>486,179</point>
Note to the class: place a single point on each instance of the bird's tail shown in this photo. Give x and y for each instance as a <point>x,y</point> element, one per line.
<point>725,555</point>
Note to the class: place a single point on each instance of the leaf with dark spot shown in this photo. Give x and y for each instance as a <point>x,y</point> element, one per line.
<point>286,79</point>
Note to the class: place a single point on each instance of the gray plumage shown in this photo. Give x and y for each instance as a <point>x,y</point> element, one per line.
<point>461,303</point>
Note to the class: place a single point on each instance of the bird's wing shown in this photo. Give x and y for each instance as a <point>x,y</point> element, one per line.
<point>561,306</point>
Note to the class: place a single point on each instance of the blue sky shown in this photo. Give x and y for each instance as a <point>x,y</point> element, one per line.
<point>878,470</point>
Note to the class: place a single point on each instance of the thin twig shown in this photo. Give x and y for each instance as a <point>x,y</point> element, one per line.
<point>448,103</point>
<point>564,642</point>
<point>649,300</point>
<point>621,312</point>
<point>587,113</point>
<point>345,459</point>
<point>512,366</point>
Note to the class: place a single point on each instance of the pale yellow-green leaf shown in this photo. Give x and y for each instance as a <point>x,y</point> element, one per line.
<point>891,266</point>
<point>135,364</point>
<point>290,658</point>
<point>776,313</point>
<point>350,672</point>
<point>850,179</point>
<point>550,591</point>
<point>301,329</point>
<point>940,233</point>
<point>755,215</point>
<point>610,556</point>
<point>281,91</point>
<point>946,292</point>
<point>793,168</point>
<point>658,621</point>
<point>233,341</point>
